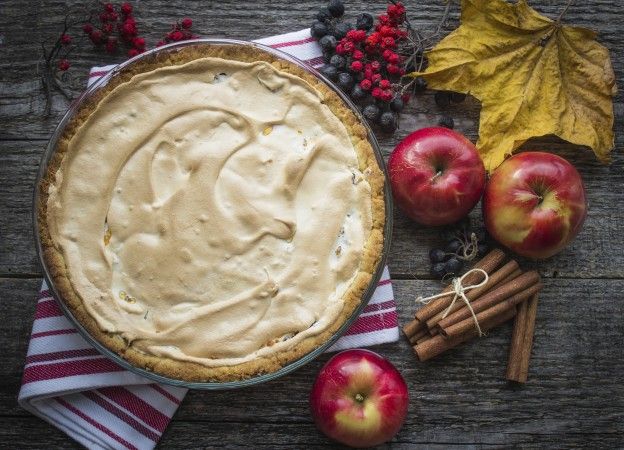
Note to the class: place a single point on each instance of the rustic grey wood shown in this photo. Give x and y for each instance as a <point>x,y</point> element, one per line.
<point>574,397</point>
<point>600,244</point>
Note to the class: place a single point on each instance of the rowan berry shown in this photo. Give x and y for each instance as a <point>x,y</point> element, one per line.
<point>366,84</point>
<point>126,8</point>
<point>393,69</point>
<point>388,42</point>
<point>96,37</point>
<point>176,35</point>
<point>111,45</point>
<point>356,66</point>
<point>186,23</point>
<point>384,84</point>
<point>63,65</point>
<point>138,42</point>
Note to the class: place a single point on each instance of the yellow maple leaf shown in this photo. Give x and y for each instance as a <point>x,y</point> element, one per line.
<point>532,75</point>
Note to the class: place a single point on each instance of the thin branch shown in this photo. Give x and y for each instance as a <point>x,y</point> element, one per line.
<point>565,10</point>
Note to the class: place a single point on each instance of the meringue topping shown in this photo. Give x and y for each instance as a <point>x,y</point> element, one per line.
<point>211,212</point>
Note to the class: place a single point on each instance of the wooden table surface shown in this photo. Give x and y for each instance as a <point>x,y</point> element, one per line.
<point>575,394</point>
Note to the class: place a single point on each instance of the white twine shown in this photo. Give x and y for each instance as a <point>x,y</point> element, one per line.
<point>459,291</point>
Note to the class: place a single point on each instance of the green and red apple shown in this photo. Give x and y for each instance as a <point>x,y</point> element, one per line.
<point>359,399</point>
<point>534,204</point>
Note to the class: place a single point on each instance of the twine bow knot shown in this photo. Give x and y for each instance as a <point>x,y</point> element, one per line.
<point>459,292</point>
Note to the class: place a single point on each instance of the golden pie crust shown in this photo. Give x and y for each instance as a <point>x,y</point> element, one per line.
<point>191,371</point>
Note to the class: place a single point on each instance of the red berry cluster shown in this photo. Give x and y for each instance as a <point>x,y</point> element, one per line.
<point>366,60</point>
<point>375,55</point>
<point>63,48</point>
<point>116,24</point>
<point>113,27</point>
<point>180,31</point>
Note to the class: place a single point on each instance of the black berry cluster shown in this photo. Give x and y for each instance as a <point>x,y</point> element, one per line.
<point>364,59</point>
<point>462,243</point>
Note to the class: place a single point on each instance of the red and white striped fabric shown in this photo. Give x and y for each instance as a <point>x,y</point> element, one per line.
<point>71,385</point>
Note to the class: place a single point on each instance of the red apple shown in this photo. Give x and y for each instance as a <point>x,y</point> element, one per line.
<point>359,399</point>
<point>437,176</point>
<point>535,204</point>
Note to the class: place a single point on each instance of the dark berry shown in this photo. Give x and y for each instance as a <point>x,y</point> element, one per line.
<point>328,42</point>
<point>341,29</point>
<point>438,270</point>
<point>327,54</point>
<point>453,246</point>
<point>446,122</point>
<point>442,99</point>
<point>388,121</point>
<point>323,15</point>
<point>338,61</point>
<point>420,85</point>
<point>437,255</point>
<point>358,93</point>
<point>453,266</point>
<point>336,8</point>
<point>318,30</point>
<point>329,71</point>
<point>345,81</point>
<point>364,22</point>
<point>371,112</point>
<point>457,97</point>
<point>482,249</point>
<point>396,104</point>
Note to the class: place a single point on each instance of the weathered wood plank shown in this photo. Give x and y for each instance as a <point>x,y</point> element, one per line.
<point>597,252</point>
<point>574,395</point>
<point>19,163</point>
<point>22,105</point>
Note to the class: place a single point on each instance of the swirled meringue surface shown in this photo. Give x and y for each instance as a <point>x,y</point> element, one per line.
<point>211,212</point>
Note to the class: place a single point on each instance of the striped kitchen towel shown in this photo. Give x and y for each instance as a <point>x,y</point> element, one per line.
<point>71,385</point>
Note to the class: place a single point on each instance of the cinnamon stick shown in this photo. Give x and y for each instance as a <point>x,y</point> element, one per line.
<point>499,308</point>
<point>515,274</point>
<point>517,340</point>
<point>413,327</point>
<point>423,339</point>
<point>496,278</point>
<point>489,263</point>
<point>418,335</point>
<point>438,344</point>
<point>490,299</point>
<point>520,354</point>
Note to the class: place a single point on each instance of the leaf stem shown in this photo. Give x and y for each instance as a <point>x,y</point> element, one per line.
<point>565,10</point>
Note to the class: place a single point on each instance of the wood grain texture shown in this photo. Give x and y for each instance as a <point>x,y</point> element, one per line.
<point>574,396</point>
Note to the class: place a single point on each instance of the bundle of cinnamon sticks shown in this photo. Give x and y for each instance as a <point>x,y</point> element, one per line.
<point>443,324</point>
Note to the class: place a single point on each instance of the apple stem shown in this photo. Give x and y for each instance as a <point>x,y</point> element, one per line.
<point>438,173</point>
<point>359,398</point>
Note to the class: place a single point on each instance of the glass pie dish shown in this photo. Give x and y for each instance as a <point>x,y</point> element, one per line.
<point>94,90</point>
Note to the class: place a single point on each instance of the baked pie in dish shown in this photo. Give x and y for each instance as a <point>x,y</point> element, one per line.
<point>211,213</point>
